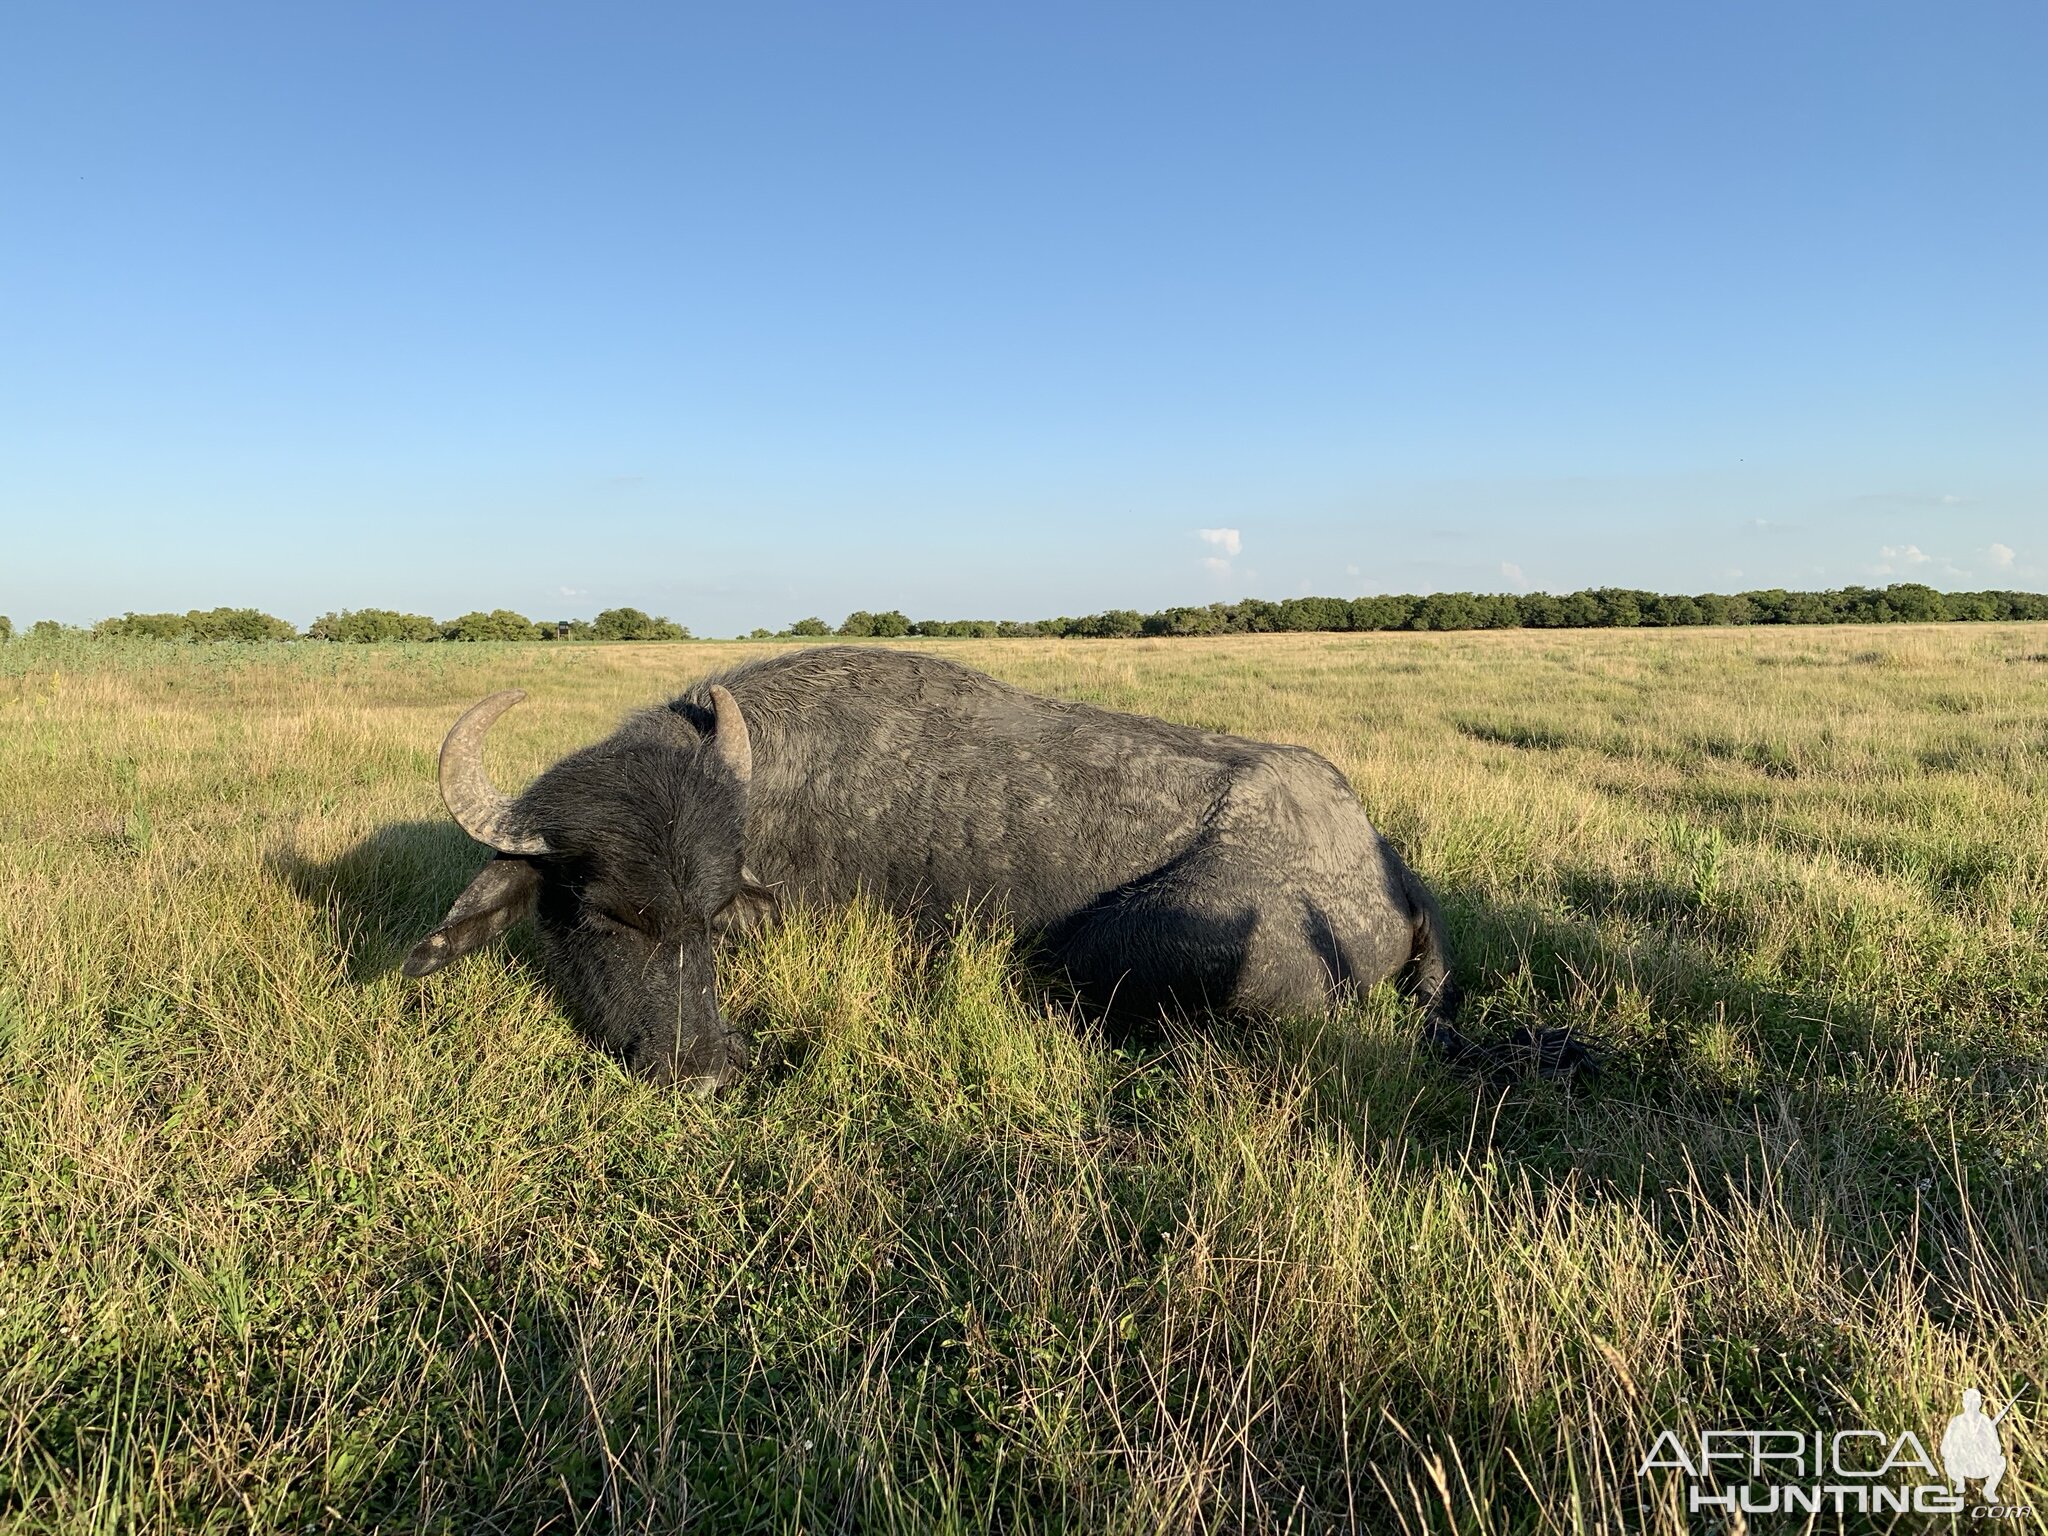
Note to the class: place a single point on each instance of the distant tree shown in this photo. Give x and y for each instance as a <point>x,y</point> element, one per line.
<point>1116,624</point>
<point>1582,610</point>
<point>892,625</point>
<point>207,624</point>
<point>1541,611</point>
<point>1809,608</point>
<point>1446,610</point>
<point>1499,610</point>
<point>858,625</point>
<point>1383,612</point>
<point>632,624</point>
<point>1187,621</point>
<point>1303,614</point>
<point>758,633</point>
<point>47,629</point>
<point>498,624</point>
<point>1677,609</point>
<point>813,626</point>
<point>955,629</point>
<point>369,626</point>
<point>1915,603</point>
<point>1255,616</point>
<point>240,624</point>
<point>1621,607</point>
<point>145,626</point>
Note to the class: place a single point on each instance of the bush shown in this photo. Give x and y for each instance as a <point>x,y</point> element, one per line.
<point>367,626</point>
<point>209,624</point>
<point>1117,623</point>
<point>811,626</point>
<point>632,624</point>
<point>957,629</point>
<point>144,626</point>
<point>498,624</point>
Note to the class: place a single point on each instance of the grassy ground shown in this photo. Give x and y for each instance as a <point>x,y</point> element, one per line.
<point>290,1243</point>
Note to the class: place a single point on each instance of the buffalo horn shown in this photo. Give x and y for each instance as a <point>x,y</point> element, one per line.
<point>735,747</point>
<point>477,805</point>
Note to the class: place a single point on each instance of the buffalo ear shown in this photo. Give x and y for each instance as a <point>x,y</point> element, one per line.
<point>501,895</point>
<point>754,905</point>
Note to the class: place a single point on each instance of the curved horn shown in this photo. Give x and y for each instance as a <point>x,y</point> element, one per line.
<point>476,804</point>
<point>735,747</point>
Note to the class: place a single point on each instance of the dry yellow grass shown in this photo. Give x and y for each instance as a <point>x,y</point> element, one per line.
<point>289,1243</point>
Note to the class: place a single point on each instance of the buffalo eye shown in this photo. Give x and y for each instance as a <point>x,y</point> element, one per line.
<point>617,917</point>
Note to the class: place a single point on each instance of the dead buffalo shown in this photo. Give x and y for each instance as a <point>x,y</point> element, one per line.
<point>1153,864</point>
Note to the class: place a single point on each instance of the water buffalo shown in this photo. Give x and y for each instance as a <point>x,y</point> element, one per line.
<point>1154,865</point>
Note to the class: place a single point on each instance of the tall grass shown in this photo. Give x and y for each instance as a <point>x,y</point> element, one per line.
<point>290,1243</point>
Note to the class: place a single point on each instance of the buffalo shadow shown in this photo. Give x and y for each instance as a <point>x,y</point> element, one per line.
<point>388,891</point>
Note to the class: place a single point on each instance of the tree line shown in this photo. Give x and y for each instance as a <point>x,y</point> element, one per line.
<point>365,625</point>
<point>1593,608</point>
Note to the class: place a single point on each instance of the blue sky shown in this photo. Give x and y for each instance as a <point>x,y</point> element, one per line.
<point>743,313</point>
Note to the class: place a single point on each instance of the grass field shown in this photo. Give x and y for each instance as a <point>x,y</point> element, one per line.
<point>289,1243</point>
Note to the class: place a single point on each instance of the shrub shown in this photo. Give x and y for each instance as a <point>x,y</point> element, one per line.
<point>144,626</point>
<point>366,626</point>
<point>632,624</point>
<point>498,624</point>
<point>208,624</point>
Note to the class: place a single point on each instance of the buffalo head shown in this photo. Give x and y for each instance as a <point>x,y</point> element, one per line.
<point>627,854</point>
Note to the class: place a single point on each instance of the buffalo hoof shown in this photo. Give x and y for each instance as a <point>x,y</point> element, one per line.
<point>1553,1053</point>
<point>1549,1053</point>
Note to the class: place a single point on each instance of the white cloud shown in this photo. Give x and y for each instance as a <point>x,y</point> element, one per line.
<point>1892,559</point>
<point>574,591</point>
<point>1951,500</point>
<point>1350,570</point>
<point>1227,542</point>
<point>2001,556</point>
<point>1513,572</point>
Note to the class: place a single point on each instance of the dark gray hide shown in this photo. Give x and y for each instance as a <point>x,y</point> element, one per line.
<point>1155,865</point>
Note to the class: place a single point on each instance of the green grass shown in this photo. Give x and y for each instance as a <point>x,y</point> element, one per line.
<point>290,1243</point>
